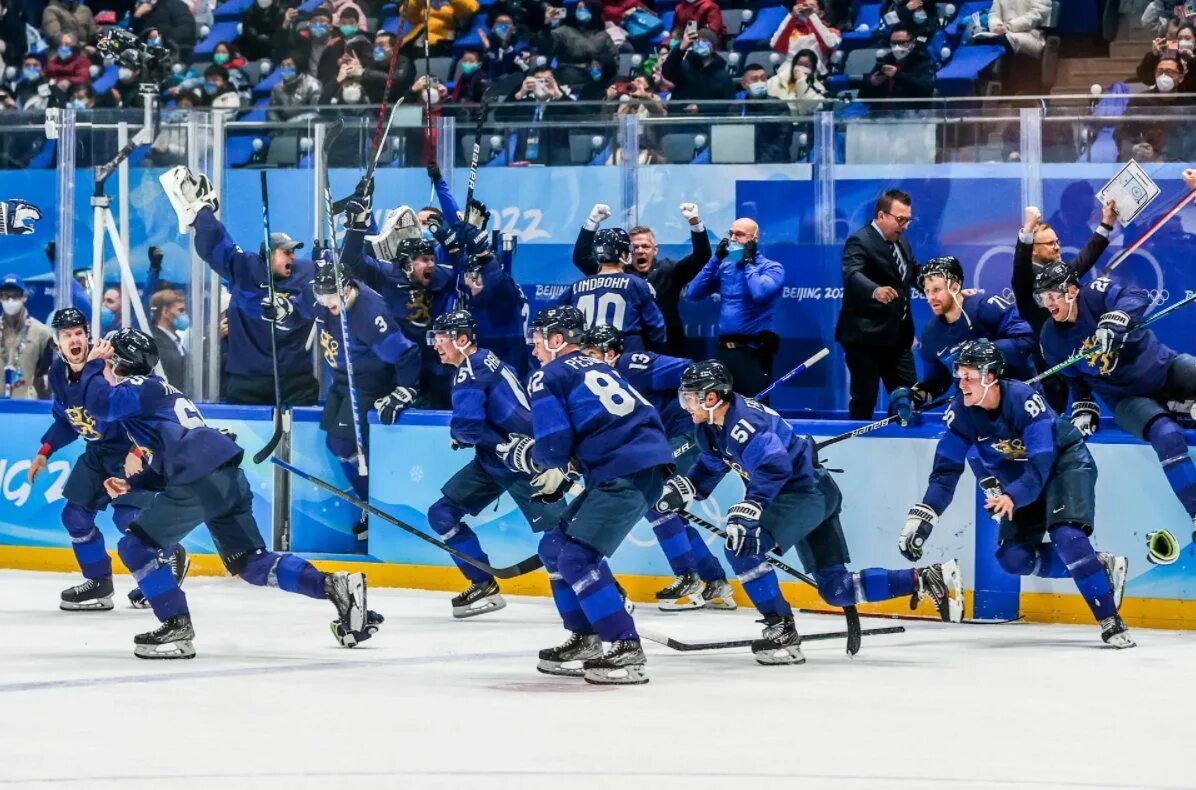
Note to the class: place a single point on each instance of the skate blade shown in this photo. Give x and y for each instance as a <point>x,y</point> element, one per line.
<point>140,602</point>
<point>490,604</point>
<point>680,604</point>
<point>95,605</point>
<point>180,649</point>
<point>781,656</point>
<point>953,612</point>
<point>631,675</point>
<point>559,669</point>
<point>357,598</point>
<point>1121,570</point>
<point>722,604</point>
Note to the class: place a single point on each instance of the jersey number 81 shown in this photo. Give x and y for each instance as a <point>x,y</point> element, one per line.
<point>611,393</point>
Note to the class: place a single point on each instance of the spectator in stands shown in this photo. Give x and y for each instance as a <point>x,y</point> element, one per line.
<point>504,52</point>
<point>168,311</point>
<point>920,17</point>
<point>33,90</point>
<point>698,74</point>
<point>347,88</point>
<point>1159,139</point>
<point>25,342</point>
<point>471,80</point>
<point>1180,47</point>
<point>347,40</point>
<point>173,20</point>
<point>294,95</point>
<point>225,54</point>
<point>805,29</point>
<point>376,70</point>
<point>1163,17</point>
<point>218,90</point>
<point>13,41</point>
<point>63,17</point>
<point>446,20</point>
<point>904,72</point>
<point>125,92</point>
<point>539,98</point>
<point>773,140</point>
<point>82,98</point>
<point>1017,25</point>
<point>262,32</point>
<point>597,82</point>
<point>153,38</point>
<point>615,14</point>
<point>308,39</point>
<point>704,13</point>
<point>68,63</point>
<point>797,83</point>
<point>110,309</point>
<point>575,45</point>
<point>635,97</point>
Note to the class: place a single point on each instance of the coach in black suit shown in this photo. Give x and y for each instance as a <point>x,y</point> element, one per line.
<point>875,327</point>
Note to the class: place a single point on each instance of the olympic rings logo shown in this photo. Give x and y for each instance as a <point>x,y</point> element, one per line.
<point>1159,296</point>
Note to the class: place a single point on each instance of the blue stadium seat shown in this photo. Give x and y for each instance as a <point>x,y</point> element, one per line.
<point>955,29</point>
<point>470,40</point>
<point>1080,19</point>
<point>221,33</point>
<point>264,87</point>
<point>959,76</point>
<point>759,32</point>
<point>310,5</point>
<point>231,9</point>
<point>867,15</point>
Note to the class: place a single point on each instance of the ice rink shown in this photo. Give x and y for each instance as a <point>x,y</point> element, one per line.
<point>272,701</point>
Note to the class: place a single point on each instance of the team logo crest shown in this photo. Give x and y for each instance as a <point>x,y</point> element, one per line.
<point>1103,364</point>
<point>1010,448</point>
<point>83,423</point>
<point>419,308</point>
<point>330,346</point>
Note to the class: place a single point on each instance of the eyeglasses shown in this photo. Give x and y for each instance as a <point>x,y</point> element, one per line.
<point>1051,243</point>
<point>902,221</point>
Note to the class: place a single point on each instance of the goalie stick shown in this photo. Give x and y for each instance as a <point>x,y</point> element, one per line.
<point>276,437</point>
<point>686,647</point>
<point>518,569</point>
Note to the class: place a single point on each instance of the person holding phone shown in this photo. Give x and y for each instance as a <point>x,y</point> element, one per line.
<point>693,15</point>
<point>1181,47</point>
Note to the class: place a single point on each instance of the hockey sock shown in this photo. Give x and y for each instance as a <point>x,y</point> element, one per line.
<point>123,516</point>
<point>1076,550</point>
<point>566,602</point>
<point>284,571</point>
<point>445,518</point>
<point>592,582</point>
<point>760,583</point>
<point>707,564</point>
<point>345,451</point>
<point>1023,558</point>
<point>840,587</point>
<point>1167,439</point>
<point>86,541</point>
<point>674,541</point>
<point>154,577</point>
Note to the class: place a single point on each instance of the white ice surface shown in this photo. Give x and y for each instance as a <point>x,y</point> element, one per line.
<point>272,701</point>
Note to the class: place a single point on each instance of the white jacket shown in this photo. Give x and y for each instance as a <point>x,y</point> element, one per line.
<point>1023,20</point>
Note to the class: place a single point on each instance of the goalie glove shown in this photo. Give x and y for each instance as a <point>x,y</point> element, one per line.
<point>903,403</point>
<point>678,492</point>
<point>551,485</point>
<point>1085,415</point>
<point>745,538</point>
<point>917,529</point>
<point>189,194</point>
<point>598,214</point>
<point>17,217</point>
<point>1111,330</point>
<point>516,453</point>
<point>279,310</point>
<point>390,407</point>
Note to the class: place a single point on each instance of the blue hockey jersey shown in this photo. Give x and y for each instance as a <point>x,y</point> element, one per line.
<point>500,310</point>
<point>583,410</point>
<point>383,357</point>
<point>658,377</point>
<point>71,417</point>
<point>988,317</point>
<point>489,404</point>
<point>624,301</point>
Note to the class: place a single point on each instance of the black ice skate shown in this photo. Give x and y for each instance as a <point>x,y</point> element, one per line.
<point>179,564</point>
<point>628,604</point>
<point>347,591</point>
<point>943,584</point>
<point>781,643</point>
<point>1114,632</point>
<point>1117,569</point>
<point>172,639</point>
<point>684,593</point>
<point>481,597</point>
<point>718,594</point>
<point>576,649</point>
<point>621,665</point>
<point>93,595</point>
<point>347,638</point>
<point>361,530</point>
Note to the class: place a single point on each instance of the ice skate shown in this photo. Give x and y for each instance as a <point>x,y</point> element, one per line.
<point>719,594</point>
<point>172,639</point>
<point>481,597</point>
<point>347,591</point>
<point>628,604</point>
<point>576,649</point>
<point>179,564</point>
<point>361,530</point>
<point>93,595</point>
<point>1117,569</point>
<point>684,593</point>
<point>943,584</point>
<point>621,665</point>
<point>1115,633</point>
<point>781,643</point>
<point>347,638</point>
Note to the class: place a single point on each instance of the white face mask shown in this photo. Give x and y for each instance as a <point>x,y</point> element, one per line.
<point>352,94</point>
<point>1165,83</point>
<point>13,306</point>
<point>1186,45</point>
<point>758,90</point>
<point>901,51</point>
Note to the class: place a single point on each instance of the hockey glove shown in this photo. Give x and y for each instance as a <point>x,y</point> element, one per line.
<point>434,174</point>
<point>476,240</point>
<point>516,453</point>
<point>156,256</point>
<point>17,217</point>
<point>357,212</point>
<point>1085,415</point>
<point>724,247</point>
<point>903,402</point>
<point>917,529</point>
<point>991,487</point>
<point>1162,548</point>
<point>598,214</point>
<point>347,638</point>
<point>678,492</point>
<point>445,235</point>
<point>1111,330</point>
<point>551,485</point>
<point>189,194</point>
<point>477,215</point>
<point>745,538</point>
<point>279,310</point>
<point>749,252</point>
<point>390,407</point>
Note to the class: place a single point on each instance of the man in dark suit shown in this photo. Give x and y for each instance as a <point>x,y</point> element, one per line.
<point>875,327</point>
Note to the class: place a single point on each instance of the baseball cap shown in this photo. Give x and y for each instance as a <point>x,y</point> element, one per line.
<point>285,242</point>
<point>11,282</point>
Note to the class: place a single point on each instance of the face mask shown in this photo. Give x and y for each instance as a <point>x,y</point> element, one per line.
<point>210,88</point>
<point>596,74</point>
<point>106,316</point>
<point>77,104</point>
<point>352,94</point>
<point>288,73</point>
<point>921,16</point>
<point>65,52</point>
<point>758,90</point>
<point>348,30</point>
<point>31,73</point>
<point>584,15</point>
<point>469,68</point>
<point>426,232</point>
<point>12,306</point>
<point>901,52</point>
<point>220,58</point>
<point>380,54</point>
<point>264,3</point>
<point>153,42</point>
<point>182,322</point>
<point>802,71</point>
<point>735,251</point>
<point>702,48</point>
<point>1187,46</point>
<point>319,30</point>
<point>124,74</point>
<point>502,30</point>
<point>555,22</point>
<point>1165,83</point>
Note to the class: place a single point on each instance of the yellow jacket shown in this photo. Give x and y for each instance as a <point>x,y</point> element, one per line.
<point>445,17</point>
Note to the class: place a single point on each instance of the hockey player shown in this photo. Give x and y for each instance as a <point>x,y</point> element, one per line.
<point>588,421</point>
<point>200,469</point>
<point>700,580</point>
<point>107,444</point>
<point>789,502</point>
<point>612,297</point>
<point>959,319</point>
<point>498,306</point>
<point>489,404</point>
<point>1143,382</point>
<point>1042,481</point>
<point>386,367</point>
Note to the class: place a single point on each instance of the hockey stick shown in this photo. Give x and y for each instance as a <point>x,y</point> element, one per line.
<point>1150,231</point>
<point>265,452</point>
<point>686,647</point>
<point>799,369</point>
<point>873,426</point>
<point>526,566</point>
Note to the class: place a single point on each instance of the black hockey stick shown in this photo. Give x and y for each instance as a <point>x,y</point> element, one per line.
<point>276,437</point>
<point>873,426</point>
<point>686,647</point>
<point>518,569</point>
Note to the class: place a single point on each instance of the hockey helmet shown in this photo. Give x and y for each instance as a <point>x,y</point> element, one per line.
<point>947,267</point>
<point>983,355</point>
<point>611,245</point>
<point>565,319</point>
<point>709,375</point>
<point>68,318</point>
<point>604,338</point>
<point>453,323</point>
<point>134,352</point>
<point>1053,278</point>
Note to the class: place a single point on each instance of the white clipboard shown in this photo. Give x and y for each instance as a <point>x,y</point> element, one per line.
<point>1131,189</point>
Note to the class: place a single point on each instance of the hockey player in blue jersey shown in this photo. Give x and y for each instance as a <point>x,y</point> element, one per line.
<point>498,306</point>
<point>107,444</point>
<point>700,580</point>
<point>789,502</point>
<point>587,421</point>
<point>959,319</point>
<point>197,477</point>
<point>1041,481</point>
<point>612,297</point>
<point>386,368</point>
<point>489,404</point>
<point>1143,382</point>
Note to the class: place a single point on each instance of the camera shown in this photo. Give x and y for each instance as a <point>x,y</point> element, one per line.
<point>131,52</point>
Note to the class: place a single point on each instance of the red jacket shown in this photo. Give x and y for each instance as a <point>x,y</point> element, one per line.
<point>76,70</point>
<point>615,10</point>
<point>705,12</point>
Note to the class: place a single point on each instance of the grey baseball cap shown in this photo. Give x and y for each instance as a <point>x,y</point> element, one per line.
<point>284,242</point>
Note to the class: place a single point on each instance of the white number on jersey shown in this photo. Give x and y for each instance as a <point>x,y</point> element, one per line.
<point>1101,284</point>
<point>742,431</point>
<point>609,309</point>
<point>1035,405</point>
<point>998,302</point>
<point>949,416</point>
<point>513,383</point>
<point>616,399</point>
<point>535,383</point>
<point>380,322</point>
<point>640,361</point>
<point>187,415</point>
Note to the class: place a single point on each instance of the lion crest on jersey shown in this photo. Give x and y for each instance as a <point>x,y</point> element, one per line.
<point>330,346</point>
<point>1013,449</point>
<point>83,423</point>
<point>1103,363</point>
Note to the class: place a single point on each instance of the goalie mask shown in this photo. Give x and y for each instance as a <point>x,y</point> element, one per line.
<point>400,223</point>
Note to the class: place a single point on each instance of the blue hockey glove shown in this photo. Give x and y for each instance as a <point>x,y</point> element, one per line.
<point>445,235</point>
<point>678,492</point>
<point>902,404</point>
<point>475,239</point>
<point>744,535</point>
<point>917,529</point>
<point>390,407</point>
<point>1085,415</point>
<point>516,453</point>
<point>1111,330</point>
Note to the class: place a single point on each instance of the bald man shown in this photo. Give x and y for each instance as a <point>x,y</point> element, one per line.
<point>748,285</point>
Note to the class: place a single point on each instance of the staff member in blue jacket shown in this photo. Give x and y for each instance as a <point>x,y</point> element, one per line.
<point>749,285</point>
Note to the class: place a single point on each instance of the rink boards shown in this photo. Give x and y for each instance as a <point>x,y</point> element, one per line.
<point>883,474</point>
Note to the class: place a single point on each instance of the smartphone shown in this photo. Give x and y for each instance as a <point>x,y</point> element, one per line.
<point>691,27</point>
